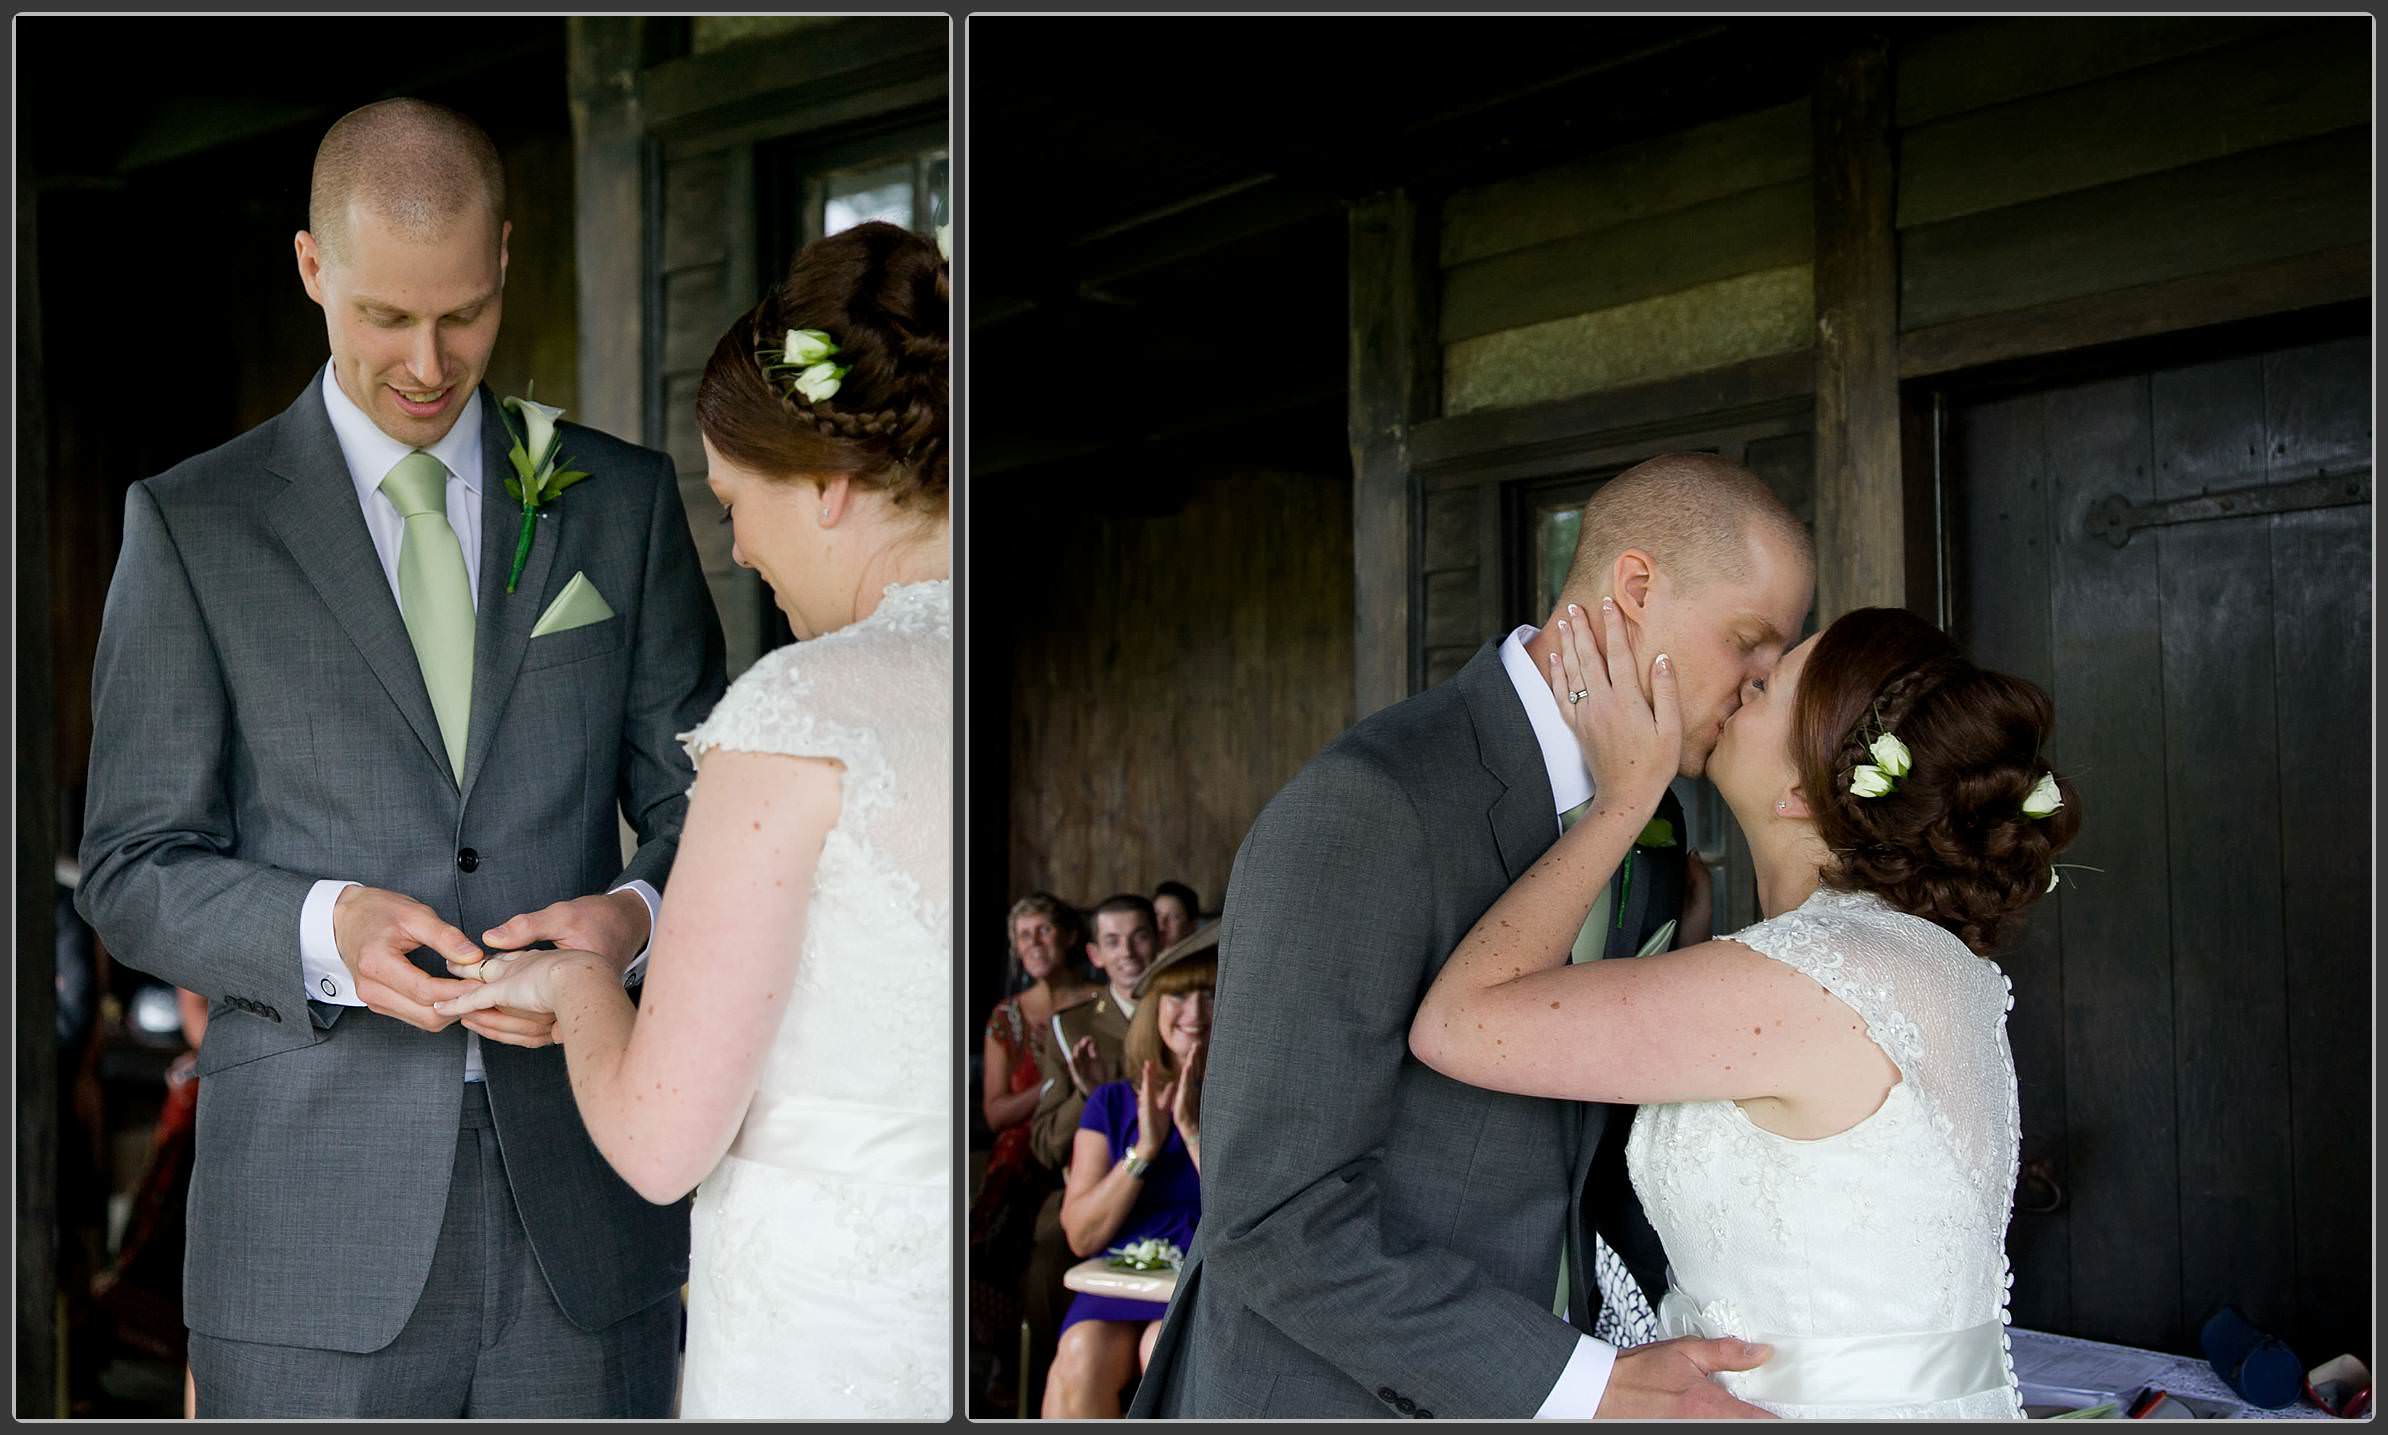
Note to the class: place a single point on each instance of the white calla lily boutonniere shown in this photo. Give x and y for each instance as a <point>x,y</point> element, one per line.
<point>540,474</point>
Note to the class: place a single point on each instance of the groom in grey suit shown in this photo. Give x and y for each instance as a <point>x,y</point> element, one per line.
<point>1377,1239</point>
<point>335,733</point>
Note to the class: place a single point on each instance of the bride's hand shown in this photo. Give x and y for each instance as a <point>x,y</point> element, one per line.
<point>524,981</point>
<point>1632,744</point>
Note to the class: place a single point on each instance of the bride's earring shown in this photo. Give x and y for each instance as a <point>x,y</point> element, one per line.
<point>1782,804</point>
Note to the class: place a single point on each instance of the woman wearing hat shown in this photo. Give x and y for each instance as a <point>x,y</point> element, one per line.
<point>1135,1175</point>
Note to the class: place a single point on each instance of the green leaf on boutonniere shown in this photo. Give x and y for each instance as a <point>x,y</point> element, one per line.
<point>559,482</point>
<point>1659,833</point>
<point>514,489</point>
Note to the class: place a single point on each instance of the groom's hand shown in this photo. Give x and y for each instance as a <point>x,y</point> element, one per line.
<point>613,925</point>
<point>374,930</point>
<point>1668,1380</point>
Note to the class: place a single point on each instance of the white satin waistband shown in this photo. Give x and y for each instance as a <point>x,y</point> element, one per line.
<point>1855,1369</point>
<point>861,1143</point>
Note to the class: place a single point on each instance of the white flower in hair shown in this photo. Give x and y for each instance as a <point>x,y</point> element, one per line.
<point>1890,755</point>
<point>819,382</point>
<point>2044,798</point>
<point>808,346</point>
<point>1867,780</point>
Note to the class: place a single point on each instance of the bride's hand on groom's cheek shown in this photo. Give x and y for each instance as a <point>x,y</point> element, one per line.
<point>1632,743</point>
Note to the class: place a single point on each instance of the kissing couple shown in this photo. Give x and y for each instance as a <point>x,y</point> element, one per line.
<point>393,668</point>
<point>1471,1030</point>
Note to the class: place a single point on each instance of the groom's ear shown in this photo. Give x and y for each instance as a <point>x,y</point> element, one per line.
<point>1629,583</point>
<point>310,265</point>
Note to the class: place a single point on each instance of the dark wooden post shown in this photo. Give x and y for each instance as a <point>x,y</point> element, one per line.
<point>37,856</point>
<point>1861,520</point>
<point>609,144</point>
<point>1396,374</point>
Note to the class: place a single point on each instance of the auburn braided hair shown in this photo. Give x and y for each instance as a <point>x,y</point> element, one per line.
<point>882,294</point>
<point>1950,842</point>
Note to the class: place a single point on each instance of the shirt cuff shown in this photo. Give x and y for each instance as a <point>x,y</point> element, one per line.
<point>636,972</point>
<point>1582,1383</point>
<point>328,978</point>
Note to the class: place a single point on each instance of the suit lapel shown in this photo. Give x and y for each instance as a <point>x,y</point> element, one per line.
<point>503,622</point>
<point>318,520</point>
<point>1524,824</point>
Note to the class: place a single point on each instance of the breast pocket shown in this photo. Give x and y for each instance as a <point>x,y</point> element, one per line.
<point>590,640</point>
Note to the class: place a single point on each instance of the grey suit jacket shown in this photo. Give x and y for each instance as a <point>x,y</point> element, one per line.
<point>261,722</point>
<point>1376,1238</point>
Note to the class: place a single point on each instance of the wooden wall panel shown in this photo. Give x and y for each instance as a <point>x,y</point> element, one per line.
<point>2279,86</point>
<point>2288,199</point>
<point>2221,740</point>
<point>1971,67</point>
<point>1170,675</point>
<point>2318,405</point>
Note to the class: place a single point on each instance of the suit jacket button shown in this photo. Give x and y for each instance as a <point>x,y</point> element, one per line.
<point>1385,1393</point>
<point>272,1014</point>
<point>1405,1405</point>
<point>467,860</point>
<point>1423,1413</point>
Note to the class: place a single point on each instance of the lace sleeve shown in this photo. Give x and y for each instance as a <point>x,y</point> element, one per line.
<point>1817,944</point>
<point>795,702</point>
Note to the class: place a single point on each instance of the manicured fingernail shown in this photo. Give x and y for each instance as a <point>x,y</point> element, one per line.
<point>1662,662</point>
<point>1572,608</point>
<point>1608,605</point>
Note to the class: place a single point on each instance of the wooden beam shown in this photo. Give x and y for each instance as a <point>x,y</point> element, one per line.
<point>609,170</point>
<point>2283,286</point>
<point>859,53</point>
<point>1395,370</point>
<point>1539,440</point>
<point>1861,527</point>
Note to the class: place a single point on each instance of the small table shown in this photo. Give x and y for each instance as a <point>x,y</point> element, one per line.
<point>1096,1276</point>
<point>2068,1369</point>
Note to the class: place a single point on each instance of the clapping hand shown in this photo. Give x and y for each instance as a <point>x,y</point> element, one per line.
<point>1087,1066</point>
<point>1156,1111</point>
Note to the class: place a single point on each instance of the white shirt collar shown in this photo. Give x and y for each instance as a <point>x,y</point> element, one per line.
<point>1562,756</point>
<point>371,454</point>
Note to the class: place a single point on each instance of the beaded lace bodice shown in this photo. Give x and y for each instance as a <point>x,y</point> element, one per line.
<point>1894,1226</point>
<point>822,1267</point>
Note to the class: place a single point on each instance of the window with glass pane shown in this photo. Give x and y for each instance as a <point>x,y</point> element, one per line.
<point>907,190</point>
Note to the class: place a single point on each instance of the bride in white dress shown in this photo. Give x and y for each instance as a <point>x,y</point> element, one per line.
<point>791,1049</point>
<point>1827,1136</point>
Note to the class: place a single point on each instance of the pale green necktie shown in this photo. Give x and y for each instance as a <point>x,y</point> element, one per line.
<point>1590,943</point>
<point>434,595</point>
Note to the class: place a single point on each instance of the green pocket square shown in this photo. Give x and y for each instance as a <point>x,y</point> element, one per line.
<point>579,605</point>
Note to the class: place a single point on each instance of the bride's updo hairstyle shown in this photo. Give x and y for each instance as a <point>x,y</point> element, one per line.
<point>880,293</point>
<point>1950,842</point>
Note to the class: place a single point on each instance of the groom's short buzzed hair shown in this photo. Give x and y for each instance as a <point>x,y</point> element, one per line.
<point>1695,513</point>
<point>417,164</point>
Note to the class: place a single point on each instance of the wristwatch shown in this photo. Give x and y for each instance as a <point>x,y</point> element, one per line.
<point>1137,1165</point>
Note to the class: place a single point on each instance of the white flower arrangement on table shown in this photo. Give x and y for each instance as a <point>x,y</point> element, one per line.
<point>1149,1254</point>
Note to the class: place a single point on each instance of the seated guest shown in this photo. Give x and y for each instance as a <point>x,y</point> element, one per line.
<point>1077,1051</point>
<point>1176,911</point>
<point>1135,1175</point>
<point>1003,1211</point>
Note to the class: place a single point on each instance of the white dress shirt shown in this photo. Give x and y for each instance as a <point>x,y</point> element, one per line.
<point>1586,1376</point>
<point>371,454</point>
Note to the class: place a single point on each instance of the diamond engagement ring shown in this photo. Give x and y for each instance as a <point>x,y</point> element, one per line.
<point>1579,695</point>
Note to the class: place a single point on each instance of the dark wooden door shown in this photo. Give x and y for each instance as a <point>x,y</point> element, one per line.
<point>2192,1025</point>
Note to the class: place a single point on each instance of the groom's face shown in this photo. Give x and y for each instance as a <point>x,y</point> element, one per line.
<point>1727,633</point>
<point>411,319</point>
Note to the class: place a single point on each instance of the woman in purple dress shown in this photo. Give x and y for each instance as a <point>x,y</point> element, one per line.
<point>1135,1174</point>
